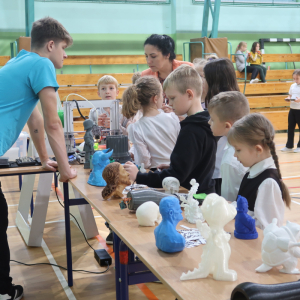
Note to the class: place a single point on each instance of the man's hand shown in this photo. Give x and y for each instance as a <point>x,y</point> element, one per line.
<point>132,170</point>
<point>163,166</point>
<point>72,173</point>
<point>104,121</point>
<point>297,99</point>
<point>49,165</point>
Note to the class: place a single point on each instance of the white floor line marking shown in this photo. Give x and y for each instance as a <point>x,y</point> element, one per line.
<point>290,177</point>
<point>294,194</point>
<point>57,271</point>
<point>57,221</point>
<point>296,202</point>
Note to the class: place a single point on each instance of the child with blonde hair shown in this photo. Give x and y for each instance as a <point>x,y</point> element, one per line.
<point>241,62</point>
<point>263,187</point>
<point>225,109</point>
<point>154,135</point>
<point>194,154</point>
<point>108,89</point>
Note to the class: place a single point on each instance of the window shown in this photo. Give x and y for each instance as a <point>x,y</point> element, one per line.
<point>113,1</point>
<point>285,3</point>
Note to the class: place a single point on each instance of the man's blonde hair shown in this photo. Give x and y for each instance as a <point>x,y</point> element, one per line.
<point>183,78</point>
<point>108,79</point>
<point>229,106</point>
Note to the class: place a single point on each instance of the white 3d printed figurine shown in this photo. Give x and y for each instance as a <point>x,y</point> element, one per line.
<point>142,168</point>
<point>192,211</point>
<point>217,212</point>
<point>148,213</point>
<point>280,247</point>
<point>171,185</point>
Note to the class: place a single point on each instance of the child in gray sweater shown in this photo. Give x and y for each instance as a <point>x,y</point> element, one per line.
<point>241,64</point>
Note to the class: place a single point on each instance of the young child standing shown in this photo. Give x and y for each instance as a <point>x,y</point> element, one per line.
<point>253,140</point>
<point>240,62</point>
<point>220,77</point>
<point>256,60</point>
<point>108,90</point>
<point>294,113</point>
<point>225,109</point>
<point>195,149</point>
<point>154,135</point>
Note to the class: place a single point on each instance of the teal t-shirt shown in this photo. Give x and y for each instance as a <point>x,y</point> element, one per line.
<point>21,80</point>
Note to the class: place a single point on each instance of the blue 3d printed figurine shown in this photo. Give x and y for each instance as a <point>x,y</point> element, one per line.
<point>100,161</point>
<point>166,236</point>
<point>244,224</point>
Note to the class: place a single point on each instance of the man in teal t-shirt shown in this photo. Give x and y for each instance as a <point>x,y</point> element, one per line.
<point>25,80</point>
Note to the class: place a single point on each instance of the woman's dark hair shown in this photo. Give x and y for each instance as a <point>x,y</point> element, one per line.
<point>164,43</point>
<point>253,48</point>
<point>220,77</point>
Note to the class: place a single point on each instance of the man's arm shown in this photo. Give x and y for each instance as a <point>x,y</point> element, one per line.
<point>55,132</point>
<point>36,128</point>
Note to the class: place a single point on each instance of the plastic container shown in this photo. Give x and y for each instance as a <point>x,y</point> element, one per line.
<point>19,148</point>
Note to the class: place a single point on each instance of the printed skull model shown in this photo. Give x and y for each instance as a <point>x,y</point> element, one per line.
<point>217,212</point>
<point>280,247</point>
<point>100,161</point>
<point>148,213</point>
<point>192,210</point>
<point>171,185</point>
<point>116,178</point>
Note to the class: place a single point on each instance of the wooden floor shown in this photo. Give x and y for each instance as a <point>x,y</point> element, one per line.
<point>42,282</point>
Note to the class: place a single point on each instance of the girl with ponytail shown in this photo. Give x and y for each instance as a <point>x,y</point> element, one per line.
<point>263,187</point>
<point>155,134</point>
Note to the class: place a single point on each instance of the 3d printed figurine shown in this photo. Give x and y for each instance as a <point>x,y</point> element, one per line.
<point>171,185</point>
<point>88,142</point>
<point>148,213</point>
<point>192,210</point>
<point>100,161</point>
<point>166,236</point>
<point>280,247</point>
<point>244,224</point>
<point>142,168</point>
<point>116,178</point>
<point>217,212</point>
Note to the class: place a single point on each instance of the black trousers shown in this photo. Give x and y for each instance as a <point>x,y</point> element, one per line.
<point>254,71</point>
<point>294,118</point>
<point>5,280</point>
<point>262,71</point>
<point>218,184</point>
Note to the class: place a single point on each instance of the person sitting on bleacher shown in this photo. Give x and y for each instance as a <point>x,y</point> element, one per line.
<point>241,65</point>
<point>256,59</point>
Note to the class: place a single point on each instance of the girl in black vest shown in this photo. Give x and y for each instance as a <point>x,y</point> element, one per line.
<point>252,137</point>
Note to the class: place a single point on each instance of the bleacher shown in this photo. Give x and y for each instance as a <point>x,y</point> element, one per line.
<point>265,98</point>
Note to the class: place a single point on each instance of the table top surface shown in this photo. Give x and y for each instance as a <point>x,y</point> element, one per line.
<point>22,170</point>
<point>245,254</point>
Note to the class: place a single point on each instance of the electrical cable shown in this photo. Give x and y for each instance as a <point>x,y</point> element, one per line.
<point>73,217</point>
<point>82,116</point>
<point>49,264</point>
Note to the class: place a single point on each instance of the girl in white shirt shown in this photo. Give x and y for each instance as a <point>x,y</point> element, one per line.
<point>155,134</point>
<point>252,137</point>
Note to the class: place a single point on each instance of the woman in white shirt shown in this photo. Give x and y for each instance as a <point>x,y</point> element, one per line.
<point>253,140</point>
<point>155,134</point>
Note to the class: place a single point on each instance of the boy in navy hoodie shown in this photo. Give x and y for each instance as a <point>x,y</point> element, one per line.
<point>195,151</point>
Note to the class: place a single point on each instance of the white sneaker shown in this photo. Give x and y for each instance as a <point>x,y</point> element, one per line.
<point>297,150</point>
<point>285,149</point>
<point>256,80</point>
